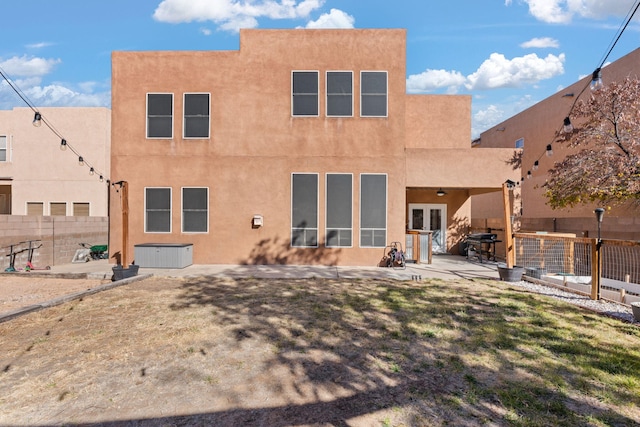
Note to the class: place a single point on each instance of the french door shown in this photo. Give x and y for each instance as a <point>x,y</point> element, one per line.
<point>430,217</point>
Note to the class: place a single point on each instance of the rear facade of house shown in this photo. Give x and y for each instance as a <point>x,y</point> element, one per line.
<point>301,147</point>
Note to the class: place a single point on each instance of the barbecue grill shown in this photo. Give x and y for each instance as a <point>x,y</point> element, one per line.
<point>482,243</point>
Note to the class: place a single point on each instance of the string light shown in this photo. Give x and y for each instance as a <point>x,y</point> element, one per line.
<point>595,84</point>
<point>39,119</point>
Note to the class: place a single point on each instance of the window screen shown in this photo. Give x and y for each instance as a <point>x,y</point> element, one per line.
<point>305,93</point>
<point>159,115</point>
<point>373,210</point>
<point>196,115</point>
<point>339,210</point>
<point>339,93</point>
<point>304,210</point>
<point>81,209</point>
<point>195,210</point>
<point>373,94</point>
<point>158,210</point>
<point>3,148</point>
<point>35,208</point>
<point>59,209</point>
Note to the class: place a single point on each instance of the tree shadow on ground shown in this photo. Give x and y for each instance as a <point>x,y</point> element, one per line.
<point>434,352</point>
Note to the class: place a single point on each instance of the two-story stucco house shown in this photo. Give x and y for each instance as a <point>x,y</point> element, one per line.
<point>301,147</point>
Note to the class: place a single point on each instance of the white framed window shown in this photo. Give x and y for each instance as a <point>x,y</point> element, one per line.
<point>304,94</point>
<point>339,210</point>
<point>157,208</point>
<point>160,115</point>
<point>58,208</point>
<point>373,210</point>
<point>35,208</point>
<point>4,149</point>
<point>81,209</point>
<point>195,210</point>
<point>339,93</point>
<point>373,94</point>
<point>196,115</point>
<point>304,210</point>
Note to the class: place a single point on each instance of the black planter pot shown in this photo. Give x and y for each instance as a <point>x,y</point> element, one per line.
<point>120,273</point>
<point>513,274</point>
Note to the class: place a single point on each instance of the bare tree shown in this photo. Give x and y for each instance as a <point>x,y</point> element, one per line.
<point>606,164</point>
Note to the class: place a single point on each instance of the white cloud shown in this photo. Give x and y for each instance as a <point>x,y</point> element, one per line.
<point>485,119</point>
<point>563,11</point>
<point>205,31</point>
<point>334,19</point>
<point>498,71</point>
<point>495,72</point>
<point>25,66</point>
<point>434,79</point>
<point>231,15</point>
<point>540,42</point>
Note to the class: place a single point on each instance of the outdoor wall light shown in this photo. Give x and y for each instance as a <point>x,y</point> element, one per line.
<point>596,80</point>
<point>37,120</point>
<point>441,192</point>
<point>568,127</point>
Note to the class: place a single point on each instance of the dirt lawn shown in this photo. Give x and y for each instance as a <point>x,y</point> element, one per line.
<point>250,352</point>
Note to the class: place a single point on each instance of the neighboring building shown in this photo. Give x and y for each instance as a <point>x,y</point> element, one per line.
<point>531,131</point>
<point>38,178</point>
<point>301,147</point>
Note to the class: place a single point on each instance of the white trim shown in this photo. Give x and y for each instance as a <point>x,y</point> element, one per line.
<point>317,93</point>
<point>317,227</point>
<point>326,94</point>
<point>182,211</point>
<point>326,213</point>
<point>184,121</point>
<point>146,116</point>
<point>427,219</point>
<point>386,94</point>
<point>170,210</point>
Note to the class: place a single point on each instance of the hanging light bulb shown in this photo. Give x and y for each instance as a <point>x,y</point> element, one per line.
<point>528,174</point>
<point>596,80</point>
<point>568,127</point>
<point>91,170</point>
<point>80,161</point>
<point>63,144</point>
<point>549,150</point>
<point>101,178</point>
<point>535,165</point>
<point>37,120</point>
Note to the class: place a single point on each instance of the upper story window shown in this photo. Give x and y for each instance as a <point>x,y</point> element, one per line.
<point>3,149</point>
<point>196,115</point>
<point>520,143</point>
<point>373,94</point>
<point>304,93</point>
<point>159,115</point>
<point>339,93</point>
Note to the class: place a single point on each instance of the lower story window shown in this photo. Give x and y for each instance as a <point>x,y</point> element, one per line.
<point>195,210</point>
<point>339,210</point>
<point>373,210</point>
<point>157,205</point>
<point>304,210</point>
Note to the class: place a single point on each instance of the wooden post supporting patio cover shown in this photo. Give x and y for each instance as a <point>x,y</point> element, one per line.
<point>508,234</point>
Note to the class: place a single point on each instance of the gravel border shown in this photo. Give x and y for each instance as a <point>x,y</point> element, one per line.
<point>608,308</point>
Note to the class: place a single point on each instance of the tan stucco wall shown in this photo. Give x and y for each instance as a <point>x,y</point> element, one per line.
<point>38,171</point>
<point>255,143</point>
<point>537,125</point>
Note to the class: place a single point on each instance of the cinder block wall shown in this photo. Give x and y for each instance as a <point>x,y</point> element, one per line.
<point>60,237</point>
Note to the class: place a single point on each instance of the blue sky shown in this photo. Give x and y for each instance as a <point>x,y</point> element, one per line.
<point>506,54</point>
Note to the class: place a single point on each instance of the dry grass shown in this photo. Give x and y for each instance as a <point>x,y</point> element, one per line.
<point>211,351</point>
